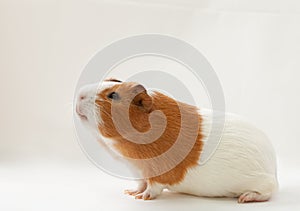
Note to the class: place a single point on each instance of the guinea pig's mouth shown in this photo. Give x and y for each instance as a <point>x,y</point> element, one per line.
<point>81,116</point>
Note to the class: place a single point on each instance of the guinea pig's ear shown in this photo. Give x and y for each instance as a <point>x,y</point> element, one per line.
<point>142,99</point>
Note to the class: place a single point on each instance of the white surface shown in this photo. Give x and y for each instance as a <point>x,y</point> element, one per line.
<point>253,46</point>
<point>48,186</point>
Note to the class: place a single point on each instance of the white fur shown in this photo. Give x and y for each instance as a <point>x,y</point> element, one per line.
<point>244,161</point>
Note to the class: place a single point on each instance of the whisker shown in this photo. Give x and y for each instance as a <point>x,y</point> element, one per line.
<point>97,108</point>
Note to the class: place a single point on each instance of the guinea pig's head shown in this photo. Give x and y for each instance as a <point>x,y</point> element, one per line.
<point>113,105</point>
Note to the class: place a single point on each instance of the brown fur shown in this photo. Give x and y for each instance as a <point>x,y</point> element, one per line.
<point>177,149</point>
<point>113,80</point>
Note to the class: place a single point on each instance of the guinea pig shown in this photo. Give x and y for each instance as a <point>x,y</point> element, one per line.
<point>164,140</point>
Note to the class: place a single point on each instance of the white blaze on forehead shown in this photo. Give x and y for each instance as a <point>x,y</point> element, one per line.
<point>106,84</point>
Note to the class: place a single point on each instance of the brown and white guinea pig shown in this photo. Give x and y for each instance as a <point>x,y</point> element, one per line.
<point>164,139</point>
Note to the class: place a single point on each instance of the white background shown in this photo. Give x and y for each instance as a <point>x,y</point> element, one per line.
<point>254,47</point>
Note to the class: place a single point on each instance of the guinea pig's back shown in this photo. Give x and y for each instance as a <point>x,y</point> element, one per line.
<point>239,141</point>
<point>244,159</point>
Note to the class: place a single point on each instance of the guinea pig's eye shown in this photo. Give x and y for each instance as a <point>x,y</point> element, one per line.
<point>113,96</point>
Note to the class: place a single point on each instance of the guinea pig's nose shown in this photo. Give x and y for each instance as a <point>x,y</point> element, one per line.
<point>82,97</point>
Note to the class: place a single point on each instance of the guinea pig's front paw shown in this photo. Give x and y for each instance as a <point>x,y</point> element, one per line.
<point>140,189</point>
<point>151,192</point>
<point>133,192</point>
<point>147,195</point>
